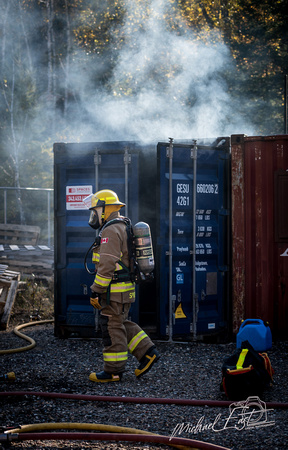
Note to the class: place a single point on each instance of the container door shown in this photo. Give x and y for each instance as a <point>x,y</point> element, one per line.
<point>199,296</point>
<point>260,230</point>
<point>81,169</point>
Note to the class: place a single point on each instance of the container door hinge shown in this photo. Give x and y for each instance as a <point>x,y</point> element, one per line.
<point>97,158</point>
<point>173,308</point>
<point>127,157</point>
<point>193,151</point>
<point>169,150</point>
<point>85,289</point>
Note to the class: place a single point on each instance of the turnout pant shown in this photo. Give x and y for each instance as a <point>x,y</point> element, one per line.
<point>120,335</point>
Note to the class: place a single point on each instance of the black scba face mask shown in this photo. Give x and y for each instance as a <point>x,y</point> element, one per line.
<point>94,220</point>
<point>94,216</point>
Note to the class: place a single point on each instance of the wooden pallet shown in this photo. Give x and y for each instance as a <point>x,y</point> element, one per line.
<point>20,251</point>
<point>28,259</point>
<point>8,289</point>
<point>19,234</point>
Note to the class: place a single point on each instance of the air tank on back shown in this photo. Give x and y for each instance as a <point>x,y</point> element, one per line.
<point>144,249</point>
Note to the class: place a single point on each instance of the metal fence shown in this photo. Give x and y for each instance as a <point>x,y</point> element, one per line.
<point>38,215</point>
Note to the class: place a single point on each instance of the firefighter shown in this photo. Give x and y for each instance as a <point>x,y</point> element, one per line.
<point>112,293</point>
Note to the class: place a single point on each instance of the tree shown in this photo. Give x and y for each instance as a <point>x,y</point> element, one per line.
<point>19,102</point>
<point>62,60</point>
<point>256,34</point>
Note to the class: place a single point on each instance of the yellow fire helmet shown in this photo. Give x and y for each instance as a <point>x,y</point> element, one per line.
<point>104,198</point>
<point>107,200</point>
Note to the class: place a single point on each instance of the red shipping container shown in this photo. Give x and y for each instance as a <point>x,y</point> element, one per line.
<point>259,171</point>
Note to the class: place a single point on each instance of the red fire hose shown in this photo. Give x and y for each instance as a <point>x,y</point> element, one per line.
<point>175,442</point>
<point>149,400</point>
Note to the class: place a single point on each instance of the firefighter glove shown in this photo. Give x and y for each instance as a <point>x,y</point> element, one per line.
<point>95,300</point>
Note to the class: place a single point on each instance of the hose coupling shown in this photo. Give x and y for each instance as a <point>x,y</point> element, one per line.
<point>9,437</point>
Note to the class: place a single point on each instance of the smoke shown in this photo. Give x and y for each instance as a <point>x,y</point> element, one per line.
<point>165,80</point>
<point>175,81</point>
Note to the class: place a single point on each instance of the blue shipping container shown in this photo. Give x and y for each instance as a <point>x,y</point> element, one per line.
<point>81,169</point>
<point>197,305</point>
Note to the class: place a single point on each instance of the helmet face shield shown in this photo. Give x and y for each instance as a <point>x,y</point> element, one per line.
<point>87,201</point>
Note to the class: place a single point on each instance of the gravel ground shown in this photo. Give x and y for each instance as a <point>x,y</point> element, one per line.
<point>185,371</point>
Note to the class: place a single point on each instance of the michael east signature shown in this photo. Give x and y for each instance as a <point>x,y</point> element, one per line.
<point>251,413</point>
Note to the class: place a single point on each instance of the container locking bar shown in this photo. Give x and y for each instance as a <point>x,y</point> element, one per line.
<point>169,154</point>
<point>195,295</point>
<point>127,161</point>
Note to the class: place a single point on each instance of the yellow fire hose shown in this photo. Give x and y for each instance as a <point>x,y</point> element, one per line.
<point>65,425</point>
<point>111,432</point>
<point>87,427</point>
<point>83,426</point>
<point>23,336</point>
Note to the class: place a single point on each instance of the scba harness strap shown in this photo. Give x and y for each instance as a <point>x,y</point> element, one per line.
<point>130,237</point>
<point>126,273</point>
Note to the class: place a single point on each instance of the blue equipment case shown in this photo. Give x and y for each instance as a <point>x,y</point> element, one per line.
<point>258,334</point>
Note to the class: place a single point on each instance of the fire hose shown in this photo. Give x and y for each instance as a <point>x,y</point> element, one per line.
<point>23,336</point>
<point>111,433</point>
<point>139,400</point>
<point>123,434</point>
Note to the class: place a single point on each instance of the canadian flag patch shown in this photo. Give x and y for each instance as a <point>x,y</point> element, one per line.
<point>104,240</point>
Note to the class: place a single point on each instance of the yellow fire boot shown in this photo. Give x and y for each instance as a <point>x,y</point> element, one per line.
<point>104,377</point>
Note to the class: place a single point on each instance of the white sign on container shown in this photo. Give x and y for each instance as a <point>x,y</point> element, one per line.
<point>75,196</point>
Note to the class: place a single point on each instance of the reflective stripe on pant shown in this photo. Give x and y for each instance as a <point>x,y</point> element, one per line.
<point>135,341</point>
<point>117,332</point>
